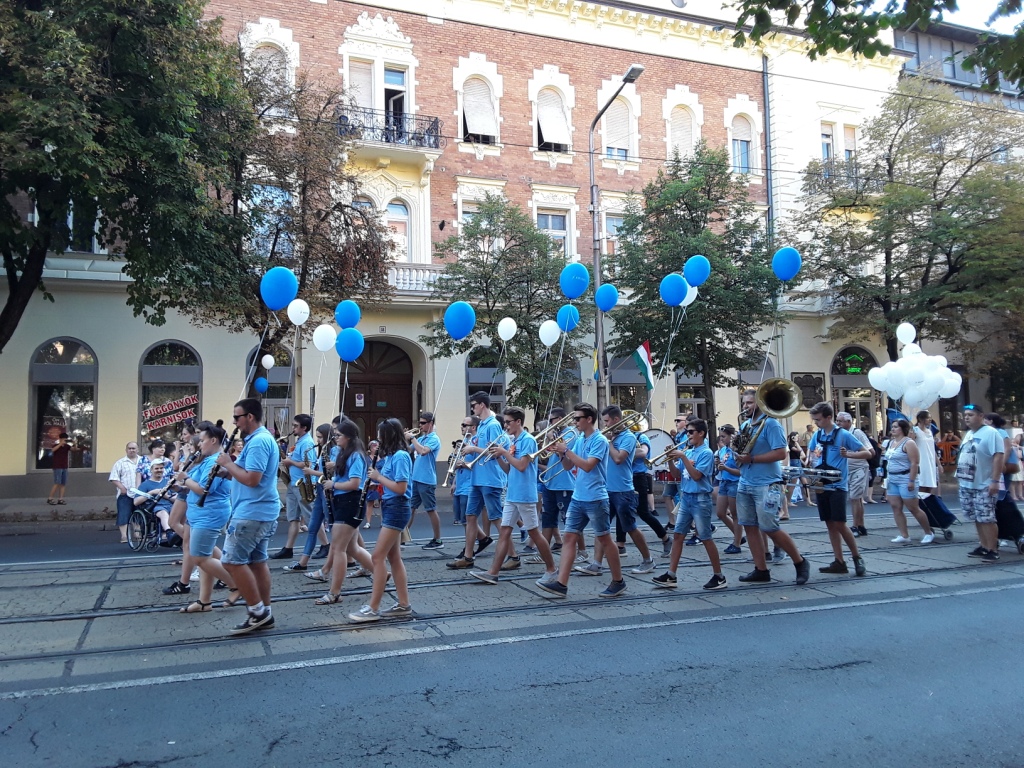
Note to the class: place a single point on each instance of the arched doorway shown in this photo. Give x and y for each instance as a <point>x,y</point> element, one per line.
<point>851,391</point>
<point>380,386</point>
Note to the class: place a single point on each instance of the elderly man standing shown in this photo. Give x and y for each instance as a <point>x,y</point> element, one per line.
<point>123,478</point>
<point>979,468</point>
<point>859,473</point>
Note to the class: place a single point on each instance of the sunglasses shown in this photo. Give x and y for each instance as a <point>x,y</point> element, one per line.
<point>578,418</point>
<point>509,421</point>
<point>691,431</point>
<point>679,421</point>
<point>237,416</point>
<point>424,422</point>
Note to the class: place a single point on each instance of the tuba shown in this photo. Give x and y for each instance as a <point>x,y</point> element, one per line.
<point>776,399</point>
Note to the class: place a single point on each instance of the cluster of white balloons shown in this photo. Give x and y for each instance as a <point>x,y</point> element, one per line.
<point>548,332</point>
<point>916,378</point>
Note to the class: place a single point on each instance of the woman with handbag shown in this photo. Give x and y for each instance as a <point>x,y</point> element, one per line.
<point>902,463</point>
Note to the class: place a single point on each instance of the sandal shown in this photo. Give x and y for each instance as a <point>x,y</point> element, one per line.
<point>317,575</point>
<point>61,501</point>
<point>197,607</point>
<point>51,502</point>
<point>328,599</point>
<point>233,597</point>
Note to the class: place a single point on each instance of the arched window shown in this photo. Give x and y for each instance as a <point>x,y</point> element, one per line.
<point>853,361</point>
<point>270,64</point>
<point>552,124</point>
<point>63,377</point>
<point>742,136</point>
<point>169,380</point>
<point>398,220</point>
<point>618,131</point>
<point>681,132</point>
<point>479,121</point>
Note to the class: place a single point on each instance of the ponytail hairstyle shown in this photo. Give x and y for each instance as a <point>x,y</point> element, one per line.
<point>212,430</point>
<point>349,429</point>
<point>391,434</point>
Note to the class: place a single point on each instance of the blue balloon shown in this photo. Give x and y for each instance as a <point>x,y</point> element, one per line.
<point>568,317</point>
<point>459,320</point>
<point>347,314</point>
<point>574,280</point>
<point>673,289</point>
<point>261,385</point>
<point>786,263</point>
<point>278,288</point>
<point>697,270</point>
<point>349,344</point>
<point>607,297</point>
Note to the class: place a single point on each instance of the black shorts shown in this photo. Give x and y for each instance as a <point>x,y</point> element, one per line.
<point>832,506</point>
<point>346,509</point>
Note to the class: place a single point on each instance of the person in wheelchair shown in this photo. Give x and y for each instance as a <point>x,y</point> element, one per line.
<point>150,494</point>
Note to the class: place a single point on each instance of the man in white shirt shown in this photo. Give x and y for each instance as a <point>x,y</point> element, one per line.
<point>123,478</point>
<point>859,474</point>
<point>979,468</point>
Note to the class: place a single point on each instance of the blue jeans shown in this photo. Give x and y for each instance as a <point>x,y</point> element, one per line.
<point>316,519</point>
<point>124,508</point>
<point>459,504</point>
<point>484,498</point>
<point>554,506</point>
<point>623,506</point>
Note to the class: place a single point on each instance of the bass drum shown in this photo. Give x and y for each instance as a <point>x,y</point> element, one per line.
<point>661,441</point>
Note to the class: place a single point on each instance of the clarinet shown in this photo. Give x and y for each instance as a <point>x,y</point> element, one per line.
<point>372,459</point>
<point>213,472</point>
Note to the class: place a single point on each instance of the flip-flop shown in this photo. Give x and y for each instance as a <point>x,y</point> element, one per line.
<point>192,607</point>
<point>233,597</point>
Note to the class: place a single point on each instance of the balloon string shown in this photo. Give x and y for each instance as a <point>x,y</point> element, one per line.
<point>252,367</point>
<point>443,380</point>
<point>344,391</point>
<point>501,356</point>
<point>316,390</point>
<point>558,368</point>
<point>674,328</point>
<point>543,370</point>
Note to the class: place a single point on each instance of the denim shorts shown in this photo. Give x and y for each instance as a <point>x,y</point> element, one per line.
<point>201,541</point>
<point>520,510</point>
<point>247,541</point>
<point>898,487</point>
<point>670,491</point>
<point>423,495</point>
<point>752,509</point>
<point>60,477</point>
<point>694,508</point>
<point>395,513</point>
<point>556,503</point>
<point>124,509</point>
<point>483,499</point>
<point>582,512</point>
<point>295,508</point>
<point>728,488</point>
<point>623,507</point>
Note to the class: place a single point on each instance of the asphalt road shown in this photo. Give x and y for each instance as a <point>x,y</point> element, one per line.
<point>925,682</point>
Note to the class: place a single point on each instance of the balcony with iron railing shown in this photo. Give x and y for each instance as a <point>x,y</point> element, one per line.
<point>839,178</point>
<point>400,135</point>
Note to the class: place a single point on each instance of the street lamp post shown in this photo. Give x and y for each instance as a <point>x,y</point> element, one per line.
<point>604,384</point>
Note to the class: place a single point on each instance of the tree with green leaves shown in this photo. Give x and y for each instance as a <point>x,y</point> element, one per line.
<point>504,266</point>
<point>923,226</point>
<point>697,205</point>
<point>110,122</point>
<point>855,26</point>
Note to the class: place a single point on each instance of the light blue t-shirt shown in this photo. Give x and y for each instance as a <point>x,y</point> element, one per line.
<point>262,502</point>
<point>562,481</point>
<point>522,485</point>
<point>398,467</point>
<point>830,445</point>
<point>638,463</point>
<point>464,477</point>
<point>490,473</point>
<point>704,461</point>
<point>592,485</point>
<point>727,456</point>
<point>424,466</point>
<point>355,467</point>
<point>620,476</point>
<point>772,437</point>
<point>154,488</point>
<point>304,449</point>
<point>217,508</point>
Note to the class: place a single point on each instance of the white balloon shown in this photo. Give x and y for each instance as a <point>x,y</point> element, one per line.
<point>324,337</point>
<point>951,384</point>
<point>298,311</point>
<point>932,363</point>
<point>941,360</point>
<point>549,332</point>
<point>507,328</point>
<point>691,295</point>
<point>877,378</point>
<point>911,350</point>
<point>906,333</point>
<point>914,375</point>
<point>913,397</point>
<point>268,362</point>
<point>896,379</point>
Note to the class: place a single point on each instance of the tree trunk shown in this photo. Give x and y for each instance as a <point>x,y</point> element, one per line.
<point>20,290</point>
<point>709,394</point>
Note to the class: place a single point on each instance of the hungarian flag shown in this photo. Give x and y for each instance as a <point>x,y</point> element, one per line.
<point>642,356</point>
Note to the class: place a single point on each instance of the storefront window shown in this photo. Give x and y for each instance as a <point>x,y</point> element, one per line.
<point>170,377</point>
<point>64,388</point>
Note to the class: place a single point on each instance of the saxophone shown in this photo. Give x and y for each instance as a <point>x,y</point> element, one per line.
<point>305,483</point>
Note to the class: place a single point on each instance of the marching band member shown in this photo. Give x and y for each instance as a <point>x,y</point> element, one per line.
<point>395,475</point>
<point>557,489</point>
<point>728,479</point>
<point>694,464</point>
<point>255,506</point>
<point>297,509</point>
<point>759,495</point>
<point>462,482</point>
<point>642,484</point>
<point>424,475</point>
<point>838,446</point>
<point>488,482</point>
<point>320,515</point>
<point>589,455</point>
<point>520,496</point>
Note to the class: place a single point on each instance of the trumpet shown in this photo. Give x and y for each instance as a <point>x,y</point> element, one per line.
<point>545,450</point>
<point>816,477</point>
<point>652,463</point>
<point>562,423</point>
<point>634,421</point>
<point>486,455</point>
<point>413,433</point>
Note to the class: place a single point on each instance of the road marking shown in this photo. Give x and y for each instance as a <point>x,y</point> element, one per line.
<point>471,644</point>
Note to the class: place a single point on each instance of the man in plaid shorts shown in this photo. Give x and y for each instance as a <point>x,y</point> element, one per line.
<point>978,470</point>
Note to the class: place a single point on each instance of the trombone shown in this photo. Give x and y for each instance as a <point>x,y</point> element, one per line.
<point>634,421</point>
<point>562,423</point>
<point>485,454</point>
<point>570,434</point>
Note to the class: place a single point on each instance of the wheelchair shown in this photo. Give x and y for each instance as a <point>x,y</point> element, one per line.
<point>144,528</point>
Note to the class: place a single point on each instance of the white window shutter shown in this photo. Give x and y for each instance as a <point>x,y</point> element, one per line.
<point>551,116</point>
<point>617,131</point>
<point>360,83</point>
<point>681,132</point>
<point>850,138</point>
<point>478,107</point>
<point>741,129</point>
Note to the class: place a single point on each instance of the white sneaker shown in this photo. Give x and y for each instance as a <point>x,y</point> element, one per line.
<point>195,574</point>
<point>901,540</point>
<point>928,539</point>
<point>645,567</point>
